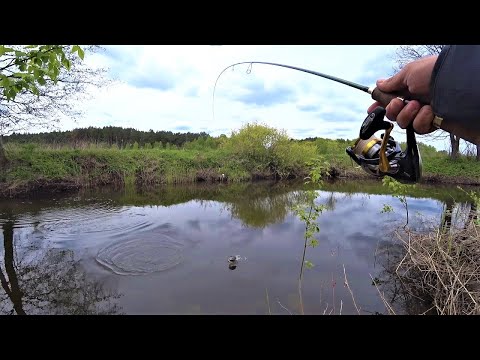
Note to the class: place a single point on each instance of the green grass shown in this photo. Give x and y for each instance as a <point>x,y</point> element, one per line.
<point>240,158</point>
<point>442,165</point>
<point>99,165</point>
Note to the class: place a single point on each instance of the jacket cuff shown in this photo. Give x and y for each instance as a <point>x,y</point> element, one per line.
<point>436,69</point>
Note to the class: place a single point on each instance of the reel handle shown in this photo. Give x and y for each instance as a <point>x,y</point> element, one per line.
<point>469,134</point>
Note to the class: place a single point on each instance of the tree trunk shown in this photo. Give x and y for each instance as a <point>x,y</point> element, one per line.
<point>478,153</point>
<point>3,157</point>
<point>455,144</point>
<point>13,292</point>
<point>446,220</point>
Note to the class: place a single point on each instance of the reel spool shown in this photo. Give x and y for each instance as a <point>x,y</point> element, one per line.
<point>384,156</point>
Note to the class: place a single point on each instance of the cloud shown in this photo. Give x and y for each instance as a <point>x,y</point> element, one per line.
<point>308,108</point>
<point>302,132</point>
<point>340,116</point>
<point>379,67</point>
<point>182,128</point>
<point>258,94</point>
<point>160,82</point>
<point>338,133</point>
<point>167,86</point>
<point>193,91</point>
<point>124,66</point>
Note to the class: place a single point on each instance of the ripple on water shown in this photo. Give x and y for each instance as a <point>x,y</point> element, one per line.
<point>102,220</point>
<point>141,256</point>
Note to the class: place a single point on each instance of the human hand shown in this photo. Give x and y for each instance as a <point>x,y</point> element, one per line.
<point>412,82</point>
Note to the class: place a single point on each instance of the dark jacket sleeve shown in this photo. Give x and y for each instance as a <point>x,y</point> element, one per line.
<point>455,85</point>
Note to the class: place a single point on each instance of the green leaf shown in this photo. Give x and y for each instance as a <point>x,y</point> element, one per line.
<point>6,82</point>
<point>53,58</point>
<point>81,53</point>
<point>41,81</point>
<point>20,53</point>
<point>314,242</point>
<point>4,49</point>
<point>11,93</point>
<point>75,48</point>
<point>66,63</point>
<point>35,90</point>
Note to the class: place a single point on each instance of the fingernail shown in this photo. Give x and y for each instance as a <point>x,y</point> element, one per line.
<point>379,81</point>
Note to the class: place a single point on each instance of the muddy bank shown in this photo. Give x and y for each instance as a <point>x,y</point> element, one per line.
<point>21,189</point>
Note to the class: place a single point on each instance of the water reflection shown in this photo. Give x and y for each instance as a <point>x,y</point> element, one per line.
<point>76,254</point>
<point>51,281</point>
<point>397,296</point>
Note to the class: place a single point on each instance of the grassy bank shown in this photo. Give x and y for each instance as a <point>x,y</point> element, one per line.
<point>254,152</point>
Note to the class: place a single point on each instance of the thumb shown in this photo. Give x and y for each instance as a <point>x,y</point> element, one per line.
<point>393,84</point>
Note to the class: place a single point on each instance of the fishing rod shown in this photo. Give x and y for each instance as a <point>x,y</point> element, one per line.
<point>378,95</point>
<point>377,156</point>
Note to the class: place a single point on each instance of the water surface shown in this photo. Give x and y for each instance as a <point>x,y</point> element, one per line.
<point>165,250</point>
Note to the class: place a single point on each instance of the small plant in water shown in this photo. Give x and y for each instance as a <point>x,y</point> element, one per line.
<point>309,212</point>
<point>386,208</point>
<point>399,191</point>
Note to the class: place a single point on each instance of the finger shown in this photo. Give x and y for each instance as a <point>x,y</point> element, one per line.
<point>423,123</point>
<point>394,108</point>
<point>373,107</point>
<point>408,113</point>
<point>394,84</point>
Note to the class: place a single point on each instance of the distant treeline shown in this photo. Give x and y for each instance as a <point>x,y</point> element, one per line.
<point>109,135</point>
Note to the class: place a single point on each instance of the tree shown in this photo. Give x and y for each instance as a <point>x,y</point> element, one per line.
<point>40,83</point>
<point>408,53</point>
<point>48,281</point>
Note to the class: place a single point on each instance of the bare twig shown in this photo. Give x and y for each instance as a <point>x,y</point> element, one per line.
<point>442,269</point>
<point>324,311</point>
<point>387,305</point>
<point>351,292</point>
<point>268,302</point>
<point>279,303</point>
<point>333,293</point>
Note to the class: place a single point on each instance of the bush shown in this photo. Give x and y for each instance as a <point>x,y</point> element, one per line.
<point>262,148</point>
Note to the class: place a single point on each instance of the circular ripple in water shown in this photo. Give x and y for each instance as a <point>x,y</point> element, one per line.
<point>141,256</point>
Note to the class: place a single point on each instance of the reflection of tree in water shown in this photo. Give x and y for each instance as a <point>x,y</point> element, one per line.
<point>49,282</point>
<point>259,212</point>
<point>396,290</point>
<point>402,290</point>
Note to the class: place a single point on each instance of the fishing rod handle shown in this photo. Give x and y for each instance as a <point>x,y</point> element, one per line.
<point>469,134</point>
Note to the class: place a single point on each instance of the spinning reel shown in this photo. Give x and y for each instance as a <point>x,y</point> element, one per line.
<point>384,156</point>
<point>378,157</point>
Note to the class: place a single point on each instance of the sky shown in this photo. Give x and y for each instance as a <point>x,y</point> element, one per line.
<point>170,87</point>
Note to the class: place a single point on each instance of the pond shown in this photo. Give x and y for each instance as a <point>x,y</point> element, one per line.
<point>166,250</point>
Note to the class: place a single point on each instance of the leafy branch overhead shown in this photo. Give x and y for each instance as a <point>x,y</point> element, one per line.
<point>42,84</point>
<point>26,68</point>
